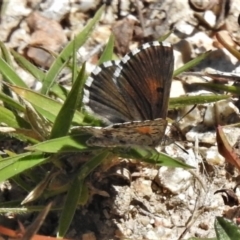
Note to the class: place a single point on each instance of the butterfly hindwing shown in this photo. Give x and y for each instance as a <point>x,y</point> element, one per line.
<point>148,133</point>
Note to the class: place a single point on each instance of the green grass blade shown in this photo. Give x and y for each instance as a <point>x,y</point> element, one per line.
<point>70,206</point>
<point>217,87</point>
<point>73,143</point>
<point>65,55</point>
<point>59,91</point>
<point>5,54</point>
<point>91,164</point>
<point>107,54</point>
<point>9,167</point>
<point>65,115</point>
<point>11,120</point>
<point>153,157</point>
<point>11,102</point>
<point>38,74</point>
<point>225,229</point>
<point>28,66</point>
<point>50,108</point>
<point>10,74</point>
<point>191,63</point>
<point>84,197</point>
<point>74,62</point>
<point>165,36</point>
<point>191,100</point>
<point>74,194</point>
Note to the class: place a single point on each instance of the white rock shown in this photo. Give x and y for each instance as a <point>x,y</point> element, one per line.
<point>203,137</point>
<point>182,196</point>
<point>175,180</point>
<point>152,235</point>
<point>56,10</point>
<point>211,155</point>
<point>86,5</point>
<point>225,111</point>
<point>185,28</point>
<point>177,89</point>
<point>232,134</point>
<point>209,116</point>
<point>202,40</point>
<point>176,152</point>
<point>142,187</point>
<point>210,18</point>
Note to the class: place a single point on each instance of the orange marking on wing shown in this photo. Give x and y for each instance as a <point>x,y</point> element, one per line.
<point>144,130</point>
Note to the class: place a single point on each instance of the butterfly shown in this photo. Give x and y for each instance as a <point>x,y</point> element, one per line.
<point>131,96</point>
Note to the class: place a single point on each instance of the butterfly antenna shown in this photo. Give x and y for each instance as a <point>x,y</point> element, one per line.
<point>174,124</point>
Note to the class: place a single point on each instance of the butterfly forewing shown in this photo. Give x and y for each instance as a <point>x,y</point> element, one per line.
<point>144,79</point>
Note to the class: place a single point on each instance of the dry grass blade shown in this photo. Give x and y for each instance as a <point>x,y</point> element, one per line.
<point>34,227</point>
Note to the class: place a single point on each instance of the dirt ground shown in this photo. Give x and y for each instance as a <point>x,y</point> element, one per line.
<point>133,200</point>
